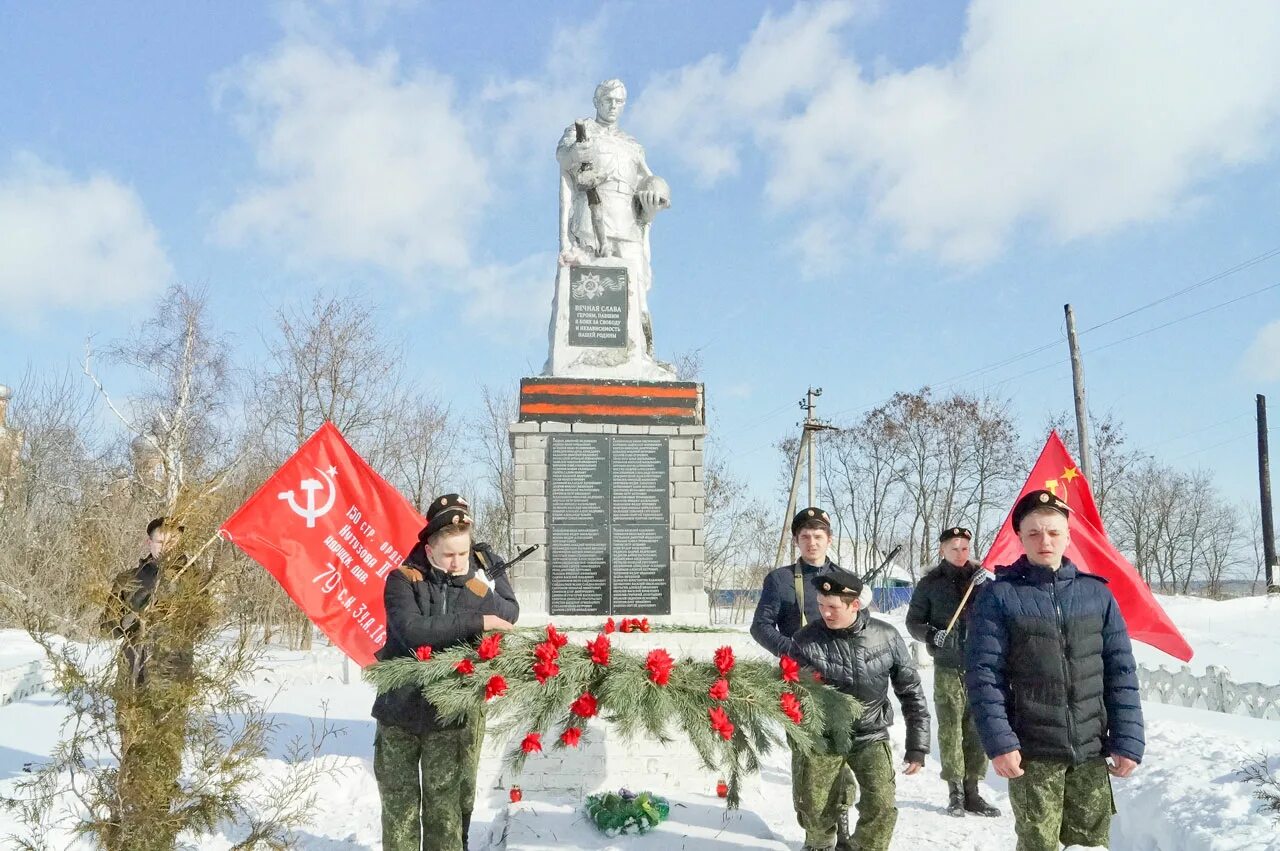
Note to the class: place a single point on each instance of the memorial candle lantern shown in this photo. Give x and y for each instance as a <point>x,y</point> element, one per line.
<point>516,795</point>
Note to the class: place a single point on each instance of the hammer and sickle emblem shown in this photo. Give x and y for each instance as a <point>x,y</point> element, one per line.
<point>311,512</point>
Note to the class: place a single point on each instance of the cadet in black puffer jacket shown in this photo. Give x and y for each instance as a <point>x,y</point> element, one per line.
<point>862,656</point>
<point>1053,685</point>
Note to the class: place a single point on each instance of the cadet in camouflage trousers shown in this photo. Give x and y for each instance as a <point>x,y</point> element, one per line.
<point>1058,802</point>
<point>431,813</point>
<point>1053,685</point>
<point>425,764</point>
<point>937,617</point>
<point>820,801</point>
<point>863,657</point>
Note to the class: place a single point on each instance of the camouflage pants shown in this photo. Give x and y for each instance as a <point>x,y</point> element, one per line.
<point>1054,802</point>
<point>822,787</point>
<point>821,796</point>
<point>960,747</point>
<point>427,784</point>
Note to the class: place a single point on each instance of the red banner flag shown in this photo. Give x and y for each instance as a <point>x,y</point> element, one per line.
<point>1091,550</point>
<point>330,530</point>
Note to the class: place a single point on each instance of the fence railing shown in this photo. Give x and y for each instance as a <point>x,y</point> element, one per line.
<point>1213,690</point>
<point>22,681</point>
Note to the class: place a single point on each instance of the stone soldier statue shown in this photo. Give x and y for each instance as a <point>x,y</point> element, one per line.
<point>608,195</point>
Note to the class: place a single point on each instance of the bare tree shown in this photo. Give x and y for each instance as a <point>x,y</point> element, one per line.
<point>491,449</point>
<point>422,452</point>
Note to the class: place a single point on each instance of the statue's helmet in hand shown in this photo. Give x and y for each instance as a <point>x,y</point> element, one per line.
<point>662,193</point>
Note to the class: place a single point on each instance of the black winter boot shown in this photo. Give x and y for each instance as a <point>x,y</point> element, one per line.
<point>974,803</point>
<point>844,842</point>
<point>955,799</point>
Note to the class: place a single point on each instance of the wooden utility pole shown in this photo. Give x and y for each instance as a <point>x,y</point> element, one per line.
<point>1264,488</point>
<point>810,421</point>
<point>804,458</point>
<point>1077,380</point>
<point>791,500</point>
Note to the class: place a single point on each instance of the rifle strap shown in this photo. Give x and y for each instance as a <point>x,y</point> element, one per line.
<point>798,575</point>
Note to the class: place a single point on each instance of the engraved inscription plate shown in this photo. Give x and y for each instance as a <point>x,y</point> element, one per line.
<point>609,510</point>
<point>598,306</point>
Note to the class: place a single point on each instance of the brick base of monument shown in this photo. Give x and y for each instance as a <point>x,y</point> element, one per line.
<point>616,506</point>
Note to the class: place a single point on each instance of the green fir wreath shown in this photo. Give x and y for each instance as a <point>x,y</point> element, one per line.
<point>536,683</point>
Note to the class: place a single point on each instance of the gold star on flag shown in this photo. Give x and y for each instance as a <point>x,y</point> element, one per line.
<point>1070,474</point>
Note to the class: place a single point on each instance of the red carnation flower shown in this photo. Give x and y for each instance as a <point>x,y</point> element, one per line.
<point>791,707</point>
<point>790,669</point>
<point>554,637</point>
<point>496,687</point>
<point>643,624</point>
<point>659,663</point>
<point>720,722</point>
<point>466,667</point>
<point>531,743</point>
<point>545,671</point>
<point>585,706</point>
<point>599,650</point>
<point>724,660</point>
<point>719,689</point>
<point>423,653</point>
<point>625,626</point>
<point>609,626</point>
<point>571,736</point>
<point>489,646</point>
<point>546,652</point>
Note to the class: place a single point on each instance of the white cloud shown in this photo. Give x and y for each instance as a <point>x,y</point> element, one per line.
<point>514,298</point>
<point>68,242</point>
<point>360,163</point>
<point>1079,119</point>
<point>1261,361</point>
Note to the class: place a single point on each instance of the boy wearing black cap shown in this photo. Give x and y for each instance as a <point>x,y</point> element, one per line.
<point>788,601</point>
<point>1053,685</point>
<point>426,769</point>
<point>934,605</point>
<point>861,656</point>
<point>132,593</point>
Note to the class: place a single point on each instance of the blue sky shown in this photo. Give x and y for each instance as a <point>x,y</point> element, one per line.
<point>868,197</point>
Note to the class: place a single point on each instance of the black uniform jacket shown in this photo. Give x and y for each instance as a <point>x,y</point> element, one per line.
<point>777,614</point>
<point>441,611</point>
<point>862,660</point>
<point>935,600</point>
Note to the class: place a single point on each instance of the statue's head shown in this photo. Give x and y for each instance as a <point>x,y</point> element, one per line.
<point>610,98</point>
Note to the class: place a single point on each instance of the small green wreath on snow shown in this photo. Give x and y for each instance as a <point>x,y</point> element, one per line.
<point>625,812</point>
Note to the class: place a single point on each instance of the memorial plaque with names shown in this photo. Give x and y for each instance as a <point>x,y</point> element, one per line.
<point>609,535</point>
<point>598,306</point>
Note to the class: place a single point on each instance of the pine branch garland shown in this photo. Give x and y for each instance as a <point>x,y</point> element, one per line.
<point>628,694</point>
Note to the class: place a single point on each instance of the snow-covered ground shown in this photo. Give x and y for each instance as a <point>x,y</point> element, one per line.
<point>1185,797</point>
